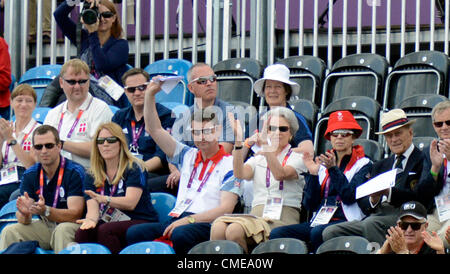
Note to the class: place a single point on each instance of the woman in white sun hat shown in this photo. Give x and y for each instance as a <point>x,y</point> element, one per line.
<point>277,89</point>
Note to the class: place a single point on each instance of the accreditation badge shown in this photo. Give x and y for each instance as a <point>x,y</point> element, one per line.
<point>114,215</point>
<point>324,215</point>
<point>9,174</point>
<point>273,207</point>
<point>180,208</point>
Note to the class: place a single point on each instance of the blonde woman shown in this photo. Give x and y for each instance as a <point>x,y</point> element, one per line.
<point>115,191</point>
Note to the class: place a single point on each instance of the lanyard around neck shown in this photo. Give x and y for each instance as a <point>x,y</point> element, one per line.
<point>282,164</point>
<point>58,184</point>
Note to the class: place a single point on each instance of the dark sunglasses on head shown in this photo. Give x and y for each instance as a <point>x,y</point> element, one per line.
<point>440,124</point>
<point>343,133</point>
<point>47,146</point>
<point>204,80</point>
<point>106,14</point>
<point>74,82</point>
<point>110,140</point>
<point>281,128</point>
<point>140,87</point>
<point>414,226</point>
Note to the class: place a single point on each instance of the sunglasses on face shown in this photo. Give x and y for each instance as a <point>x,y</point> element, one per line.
<point>414,226</point>
<point>74,82</point>
<point>110,140</point>
<point>205,131</point>
<point>204,80</point>
<point>281,128</point>
<point>343,133</point>
<point>140,87</point>
<point>440,124</point>
<point>47,146</point>
<point>106,14</point>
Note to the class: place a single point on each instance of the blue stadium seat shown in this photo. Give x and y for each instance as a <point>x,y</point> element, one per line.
<point>43,251</point>
<point>173,67</point>
<point>8,214</point>
<point>40,113</point>
<point>114,109</point>
<point>40,77</point>
<point>177,108</point>
<point>85,248</point>
<point>148,248</point>
<point>163,204</point>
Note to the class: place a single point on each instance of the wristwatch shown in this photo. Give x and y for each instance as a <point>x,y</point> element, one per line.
<point>47,211</point>
<point>12,142</point>
<point>190,219</point>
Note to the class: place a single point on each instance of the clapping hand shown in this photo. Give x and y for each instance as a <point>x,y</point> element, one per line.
<point>433,241</point>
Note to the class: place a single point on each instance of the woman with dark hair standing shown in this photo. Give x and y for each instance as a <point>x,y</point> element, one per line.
<point>102,45</point>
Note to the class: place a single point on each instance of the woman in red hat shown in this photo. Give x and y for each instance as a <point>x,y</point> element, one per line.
<point>331,185</point>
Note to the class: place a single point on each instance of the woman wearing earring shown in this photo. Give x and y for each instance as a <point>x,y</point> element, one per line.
<point>277,182</point>
<point>115,191</point>
<point>102,45</point>
<point>334,176</point>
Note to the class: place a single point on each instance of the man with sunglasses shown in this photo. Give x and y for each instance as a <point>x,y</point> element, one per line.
<point>77,118</point>
<point>52,189</point>
<point>203,84</point>
<point>207,186</point>
<point>141,144</point>
<point>434,185</point>
<point>382,207</point>
<point>410,235</point>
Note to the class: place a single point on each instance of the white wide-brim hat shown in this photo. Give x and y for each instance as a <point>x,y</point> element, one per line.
<point>276,72</point>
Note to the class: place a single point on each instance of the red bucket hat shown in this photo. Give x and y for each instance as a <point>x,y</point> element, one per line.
<point>342,119</point>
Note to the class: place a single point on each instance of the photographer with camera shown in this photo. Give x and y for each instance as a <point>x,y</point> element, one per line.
<point>100,41</point>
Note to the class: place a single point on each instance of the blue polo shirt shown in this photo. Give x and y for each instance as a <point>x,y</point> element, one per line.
<point>71,185</point>
<point>147,146</point>
<point>132,177</point>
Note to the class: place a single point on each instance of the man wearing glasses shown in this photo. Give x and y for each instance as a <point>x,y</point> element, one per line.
<point>203,84</point>
<point>410,235</point>
<point>382,207</point>
<point>435,181</point>
<point>207,187</point>
<point>140,143</point>
<point>77,118</point>
<point>51,189</point>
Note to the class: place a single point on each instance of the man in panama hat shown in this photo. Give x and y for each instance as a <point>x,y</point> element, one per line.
<point>383,207</point>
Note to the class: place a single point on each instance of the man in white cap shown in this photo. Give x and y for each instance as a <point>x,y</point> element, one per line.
<point>383,207</point>
<point>410,235</point>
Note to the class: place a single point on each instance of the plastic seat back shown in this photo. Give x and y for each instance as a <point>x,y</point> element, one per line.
<point>345,244</point>
<point>163,204</point>
<point>217,247</point>
<point>309,72</point>
<point>355,75</point>
<point>422,72</point>
<point>173,67</point>
<point>372,149</point>
<point>39,77</point>
<point>148,248</point>
<point>281,245</point>
<point>39,114</point>
<point>307,109</point>
<point>86,248</point>
<point>419,107</point>
<point>235,79</point>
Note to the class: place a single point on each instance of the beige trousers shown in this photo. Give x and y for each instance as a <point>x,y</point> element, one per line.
<point>49,234</point>
<point>46,14</point>
<point>440,228</point>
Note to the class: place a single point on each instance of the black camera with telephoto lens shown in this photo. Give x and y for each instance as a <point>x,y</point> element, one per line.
<point>89,14</point>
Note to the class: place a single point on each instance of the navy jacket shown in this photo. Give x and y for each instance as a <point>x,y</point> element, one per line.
<point>404,189</point>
